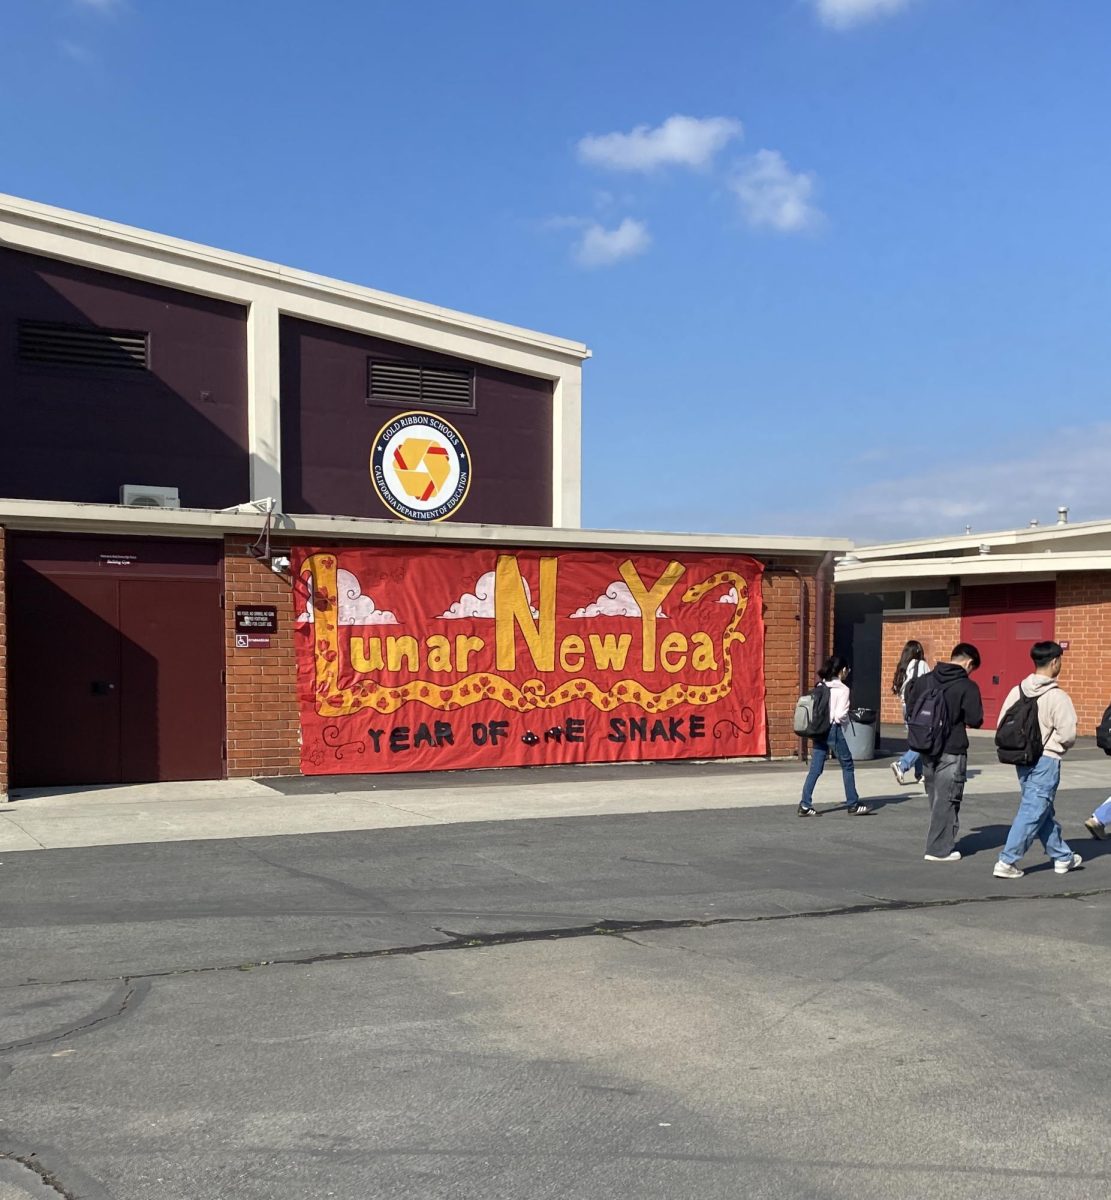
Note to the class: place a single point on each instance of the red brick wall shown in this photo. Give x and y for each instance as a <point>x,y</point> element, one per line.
<point>3,679</point>
<point>1084,621</point>
<point>263,726</point>
<point>782,627</point>
<point>938,635</point>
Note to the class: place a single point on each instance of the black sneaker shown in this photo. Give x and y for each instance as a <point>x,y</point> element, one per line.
<point>804,810</point>
<point>859,810</point>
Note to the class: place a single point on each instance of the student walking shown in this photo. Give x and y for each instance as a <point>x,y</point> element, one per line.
<point>833,676</point>
<point>912,664</point>
<point>942,706</point>
<point>1099,822</point>
<point>1042,743</point>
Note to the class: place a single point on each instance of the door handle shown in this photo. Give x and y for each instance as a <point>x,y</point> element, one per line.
<point>101,687</point>
<point>995,679</point>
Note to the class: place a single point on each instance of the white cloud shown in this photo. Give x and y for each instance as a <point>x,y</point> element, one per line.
<point>355,607</point>
<point>730,597</point>
<point>601,247</point>
<point>1004,492</point>
<point>772,196</point>
<point>616,601</point>
<point>679,141</point>
<point>843,14</point>
<point>480,602</point>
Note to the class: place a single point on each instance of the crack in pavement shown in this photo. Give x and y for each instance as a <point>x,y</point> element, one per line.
<point>605,927</point>
<point>125,999</point>
<point>47,1179</point>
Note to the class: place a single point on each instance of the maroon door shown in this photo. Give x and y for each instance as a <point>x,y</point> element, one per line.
<point>63,679</point>
<point>116,661</point>
<point>171,686</point>
<point>1003,621</point>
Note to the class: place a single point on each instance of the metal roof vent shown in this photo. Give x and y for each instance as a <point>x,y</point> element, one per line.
<point>414,383</point>
<point>85,347</point>
<point>1063,515</point>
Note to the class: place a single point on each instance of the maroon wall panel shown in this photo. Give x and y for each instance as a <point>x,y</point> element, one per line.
<point>328,428</point>
<point>72,434</point>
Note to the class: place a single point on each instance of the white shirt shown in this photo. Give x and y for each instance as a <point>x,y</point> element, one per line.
<point>838,702</point>
<point>916,667</point>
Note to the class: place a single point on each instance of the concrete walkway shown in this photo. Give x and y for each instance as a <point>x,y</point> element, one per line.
<point>105,816</point>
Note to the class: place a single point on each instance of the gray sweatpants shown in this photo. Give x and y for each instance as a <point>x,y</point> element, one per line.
<point>945,779</point>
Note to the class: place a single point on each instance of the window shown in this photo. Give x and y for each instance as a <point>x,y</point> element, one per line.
<point>915,600</point>
<point>420,384</point>
<point>82,347</point>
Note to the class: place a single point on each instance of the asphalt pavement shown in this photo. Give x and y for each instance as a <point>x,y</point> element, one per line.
<point>715,1003</point>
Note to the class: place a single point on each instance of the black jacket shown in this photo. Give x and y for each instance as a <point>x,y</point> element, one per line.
<point>962,698</point>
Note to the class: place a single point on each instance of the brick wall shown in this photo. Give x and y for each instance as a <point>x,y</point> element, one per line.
<point>3,679</point>
<point>1084,621</point>
<point>938,635</point>
<point>263,726</point>
<point>781,647</point>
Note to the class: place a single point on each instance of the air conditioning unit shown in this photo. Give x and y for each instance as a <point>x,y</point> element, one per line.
<point>136,495</point>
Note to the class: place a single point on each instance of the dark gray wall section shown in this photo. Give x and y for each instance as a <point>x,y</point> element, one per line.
<point>78,435</point>
<point>328,427</point>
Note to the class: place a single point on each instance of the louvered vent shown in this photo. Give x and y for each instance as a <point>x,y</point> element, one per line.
<point>86,347</point>
<point>411,383</point>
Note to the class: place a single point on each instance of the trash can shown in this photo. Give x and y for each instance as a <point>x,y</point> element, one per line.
<point>860,733</point>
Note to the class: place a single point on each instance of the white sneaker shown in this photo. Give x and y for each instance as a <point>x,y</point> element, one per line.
<point>899,773</point>
<point>1069,864</point>
<point>1004,870</point>
<point>955,856</point>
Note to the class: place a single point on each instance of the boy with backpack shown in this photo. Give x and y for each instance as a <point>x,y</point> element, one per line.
<point>1099,823</point>
<point>1037,725</point>
<point>941,707</point>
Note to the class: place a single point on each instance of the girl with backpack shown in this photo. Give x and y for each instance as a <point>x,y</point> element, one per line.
<point>832,676</point>
<point>911,665</point>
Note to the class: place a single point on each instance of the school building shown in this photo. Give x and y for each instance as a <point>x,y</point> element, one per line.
<point>1001,591</point>
<point>200,453</point>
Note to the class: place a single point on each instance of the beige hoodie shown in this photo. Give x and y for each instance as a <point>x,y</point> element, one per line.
<point>1056,715</point>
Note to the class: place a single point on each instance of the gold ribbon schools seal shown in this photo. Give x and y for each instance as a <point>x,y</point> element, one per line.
<point>420,467</point>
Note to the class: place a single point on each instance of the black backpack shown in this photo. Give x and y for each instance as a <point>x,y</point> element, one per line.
<point>928,724</point>
<point>1103,732</point>
<point>1018,737</point>
<point>812,713</point>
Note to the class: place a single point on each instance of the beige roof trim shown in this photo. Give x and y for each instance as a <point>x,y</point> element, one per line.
<point>966,567</point>
<point>41,228</point>
<point>57,517</point>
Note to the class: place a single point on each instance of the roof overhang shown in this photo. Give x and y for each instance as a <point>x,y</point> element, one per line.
<point>60,517</point>
<point>864,575</point>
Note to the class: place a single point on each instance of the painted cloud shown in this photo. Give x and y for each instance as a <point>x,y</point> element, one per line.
<point>616,601</point>
<point>355,607</point>
<point>730,596</point>
<point>480,602</point>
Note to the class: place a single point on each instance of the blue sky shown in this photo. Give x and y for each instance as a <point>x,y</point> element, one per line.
<point>843,264</point>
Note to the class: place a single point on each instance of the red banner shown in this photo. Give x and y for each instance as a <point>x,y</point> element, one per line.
<point>415,659</point>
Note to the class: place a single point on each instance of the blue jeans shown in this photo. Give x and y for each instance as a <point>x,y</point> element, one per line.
<point>911,759</point>
<point>834,743</point>
<point>1035,817</point>
<point>1103,813</point>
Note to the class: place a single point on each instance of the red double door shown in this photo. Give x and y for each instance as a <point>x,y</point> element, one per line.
<point>1003,621</point>
<point>115,660</point>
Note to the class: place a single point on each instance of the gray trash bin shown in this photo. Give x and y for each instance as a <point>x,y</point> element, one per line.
<point>860,733</point>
